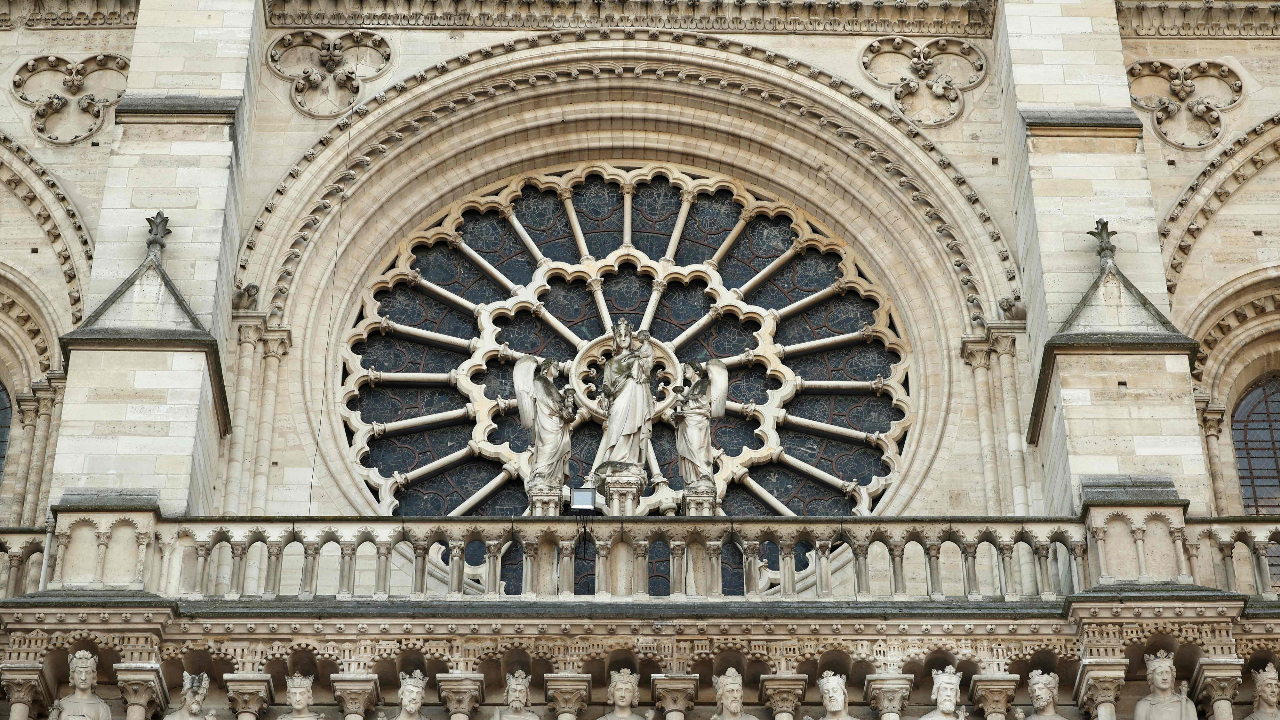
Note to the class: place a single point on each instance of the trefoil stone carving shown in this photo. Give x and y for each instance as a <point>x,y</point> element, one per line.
<point>326,73</point>
<point>68,99</point>
<point>1185,103</point>
<point>928,79</point>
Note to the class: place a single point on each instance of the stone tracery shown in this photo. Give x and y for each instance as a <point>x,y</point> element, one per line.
<point>714,269</point>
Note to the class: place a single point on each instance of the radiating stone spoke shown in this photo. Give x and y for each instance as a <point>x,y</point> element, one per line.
<point>830,343</point>
<point>523,234</point>
<point>766,496</point>
<point>436,467</point>
<point>687,200</point>
<point>759,278</point>
<point>425,422</point>
<point>727,245</point>
<point>478,260</point>
<point>837,288</point>
<point>390,327</point>
<point>829,430</point>
<point>840,387</point>
<point>813,472</point>
<point>425,379</point>
<point>483,493</point>
<point>698,326</point>
<point>445,296</point>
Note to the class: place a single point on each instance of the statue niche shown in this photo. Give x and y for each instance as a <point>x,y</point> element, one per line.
<point>82,703</point>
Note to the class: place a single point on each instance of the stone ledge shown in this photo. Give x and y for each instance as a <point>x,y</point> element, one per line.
<point>85,498</point>
<point>1131,491</point>
<point>1082,122</point>
<point>185,109</point>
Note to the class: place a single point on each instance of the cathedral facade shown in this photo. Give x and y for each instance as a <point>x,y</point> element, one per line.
<point>616,359</point>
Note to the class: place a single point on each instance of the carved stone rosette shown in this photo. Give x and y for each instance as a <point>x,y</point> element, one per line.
<point>928,79</point>
<point>68,98</point>
<point>327,73</point>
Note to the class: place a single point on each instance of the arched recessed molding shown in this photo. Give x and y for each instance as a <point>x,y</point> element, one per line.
<point>1213,187</point>
<point>1230,309</point>
<point>57,216</point>
<point>781,126</point>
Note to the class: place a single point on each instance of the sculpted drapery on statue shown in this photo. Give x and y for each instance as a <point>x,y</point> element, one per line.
<point>548,413</point>
<point>703,400</point>
<point>1164,703</point>
<point>627,403</point>
<point>82,703</point>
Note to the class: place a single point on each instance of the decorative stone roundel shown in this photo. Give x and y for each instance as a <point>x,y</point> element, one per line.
<point>1186,103</point>
<point>327,73</point>
<point>547,266</point>
<point>928,80</point>
<point>68,98</point>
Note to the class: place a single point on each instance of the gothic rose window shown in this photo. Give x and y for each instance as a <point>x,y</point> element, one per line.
<point>722,290</point>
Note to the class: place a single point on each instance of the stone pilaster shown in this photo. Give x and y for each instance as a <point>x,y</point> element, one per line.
<point>356,694</point>
<point>461,693</point>
<point>567,694</point>
<point>888,693</point>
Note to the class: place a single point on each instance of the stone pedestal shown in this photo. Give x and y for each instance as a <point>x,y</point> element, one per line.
<point>143,689</point>
<point>674,694</point>
<point>888,693</point>
<point>783,694</point>
<point>700,500</point>
<point>1215,683</point>
<point>567,694</point>
<point>461,693</point>
<point>545,502</point>
<point>621,487</point>
<point>25,685</point>
<point>249,694</point>
<point>1097,685</point>
<point>993,693</point>
<point>356,693</point>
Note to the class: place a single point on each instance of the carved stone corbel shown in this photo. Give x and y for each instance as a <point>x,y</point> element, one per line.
<point>888,693</point>
<point>674,694</point>
<point>461,693</point>
<point>567,694</point>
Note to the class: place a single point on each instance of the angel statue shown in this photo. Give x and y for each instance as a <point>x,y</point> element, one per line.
<point>703,399</point>
<point>549,413</point>
<point>627,400</point>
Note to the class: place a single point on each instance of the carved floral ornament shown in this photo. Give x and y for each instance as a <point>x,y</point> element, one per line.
<point>551,268</point>
<point>1185,103</point>
<point>313,211</point>
<point>326,73</point>
<point>928,79</point>
<point>68,98</point>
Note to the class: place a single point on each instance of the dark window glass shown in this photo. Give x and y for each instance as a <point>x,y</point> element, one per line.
<point>1255,434</point>
<point>6,420</point>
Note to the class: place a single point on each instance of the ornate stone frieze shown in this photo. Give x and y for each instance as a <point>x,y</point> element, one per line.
<point>928,79</point>
<point>70,14</point>
<point>69,98</point>
<point>327,73</point>
<point>968,18</point>
<point>1185,103</point>
<point>1210,19</point>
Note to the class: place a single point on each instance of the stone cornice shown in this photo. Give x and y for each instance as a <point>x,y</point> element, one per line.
<point>1208,19</point>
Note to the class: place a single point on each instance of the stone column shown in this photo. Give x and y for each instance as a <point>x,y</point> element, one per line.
<point>249,694</point>
<point>1097,686</point>
<point>356,693</point>
<point>25,406</point>
<point>1003,345</point>
<point>783,694</point>
<point>674,694</point>
<point>24,682</point>
<point>977,355</point>
<point>677,567</point>
<point>640,569</point>
<point>275,348</point>
<point>58,382</point>
<point>233,484</point>
<point>1211,421</point>
<point>888,693</point>
<point>461,693</point>
<point>1215,683</point>
<point>143,689</point>
<point>567,694</point>
<point>993,693</point>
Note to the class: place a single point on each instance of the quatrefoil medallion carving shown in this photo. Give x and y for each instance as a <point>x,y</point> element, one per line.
<point>929,80</point>
<point>328,73</point>
<point>1185,103</point>
<point>68,98</point>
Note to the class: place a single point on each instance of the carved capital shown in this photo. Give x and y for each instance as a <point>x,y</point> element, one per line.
<point>976,354</point>
<point>1216,679</point>
<point>249,693</point>
<point>143,685</point>
<point>993,693</point>
<point>674,693</point>
<point>1099,683</point>
<point>568,693</point>
<point>1003,344</point>
<point>24,683</point>
<point>356,693</point>
<point>460,692</point>
<point>783,694</point>
<point>1211,419</point>
<point>888,693</point>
